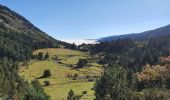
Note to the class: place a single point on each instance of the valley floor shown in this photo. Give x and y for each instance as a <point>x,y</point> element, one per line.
<point>64,77</point>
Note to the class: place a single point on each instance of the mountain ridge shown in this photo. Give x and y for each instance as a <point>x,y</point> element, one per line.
<point>12,20</point>
<point>165,30</point>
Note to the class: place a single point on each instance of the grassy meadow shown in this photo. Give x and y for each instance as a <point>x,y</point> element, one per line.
<point>61,63</point>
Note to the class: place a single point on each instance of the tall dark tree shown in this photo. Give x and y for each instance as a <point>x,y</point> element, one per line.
<point>81,63</point>
<point>36,92</point>
<point>46,56</point>
<point>113,84</point>
<point>70,95</point>
<point>40,56</point>
<point>73,46</point>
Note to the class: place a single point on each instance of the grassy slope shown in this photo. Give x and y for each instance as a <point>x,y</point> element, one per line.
<point>60,83</point>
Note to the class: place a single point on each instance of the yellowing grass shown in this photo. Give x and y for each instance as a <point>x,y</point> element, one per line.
<point>60,83</point>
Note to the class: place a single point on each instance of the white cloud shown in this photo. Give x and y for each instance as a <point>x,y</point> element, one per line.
<point>79,41</point>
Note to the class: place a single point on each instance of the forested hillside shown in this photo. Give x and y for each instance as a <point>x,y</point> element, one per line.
<point>18,38</point>
<point>135,69</point>
<point>127,67</point>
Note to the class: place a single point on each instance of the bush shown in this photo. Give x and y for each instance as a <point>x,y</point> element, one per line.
<point>46,56</point>
<point>47,83</point>
<point>40,56</point>
<point>90,80</point>
<point>46,73</point>
<point>84,92</point>
<point>76,75</point>
<point>72,96</point>
<point>82,63</point>
<point>87,76</point>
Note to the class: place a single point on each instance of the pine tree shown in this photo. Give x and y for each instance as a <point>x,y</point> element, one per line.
<point>70,95</point>
<point>40,56</point>
<point>46,56</point>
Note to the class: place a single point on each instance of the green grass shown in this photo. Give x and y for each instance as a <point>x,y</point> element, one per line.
<point>61,52</point>
<point>60,83</point>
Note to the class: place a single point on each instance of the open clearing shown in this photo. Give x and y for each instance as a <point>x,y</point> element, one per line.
<point>60,64</point>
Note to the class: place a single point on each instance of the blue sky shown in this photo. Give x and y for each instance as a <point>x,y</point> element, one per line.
<point>84,19</point>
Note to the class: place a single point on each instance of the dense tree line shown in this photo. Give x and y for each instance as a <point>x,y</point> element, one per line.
<point>14,87</point>
<point>19,46</point>
<point>16,46</point>
<point>9,76</point>
<point>118,83</point>
<point>18,38</point>
<point>126,57</point>
<point>133,53</point>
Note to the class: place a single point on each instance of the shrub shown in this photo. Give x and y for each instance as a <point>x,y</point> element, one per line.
<point>82,63</point>
<point>46,56</point>
<point>46,73</point>
<point>87,76</point>
<point>84,92</point>
<point>40,56</point>
<point>72,96</point>
<point>90,80</point>
<point>76,75</point>
<point>47,83</point>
